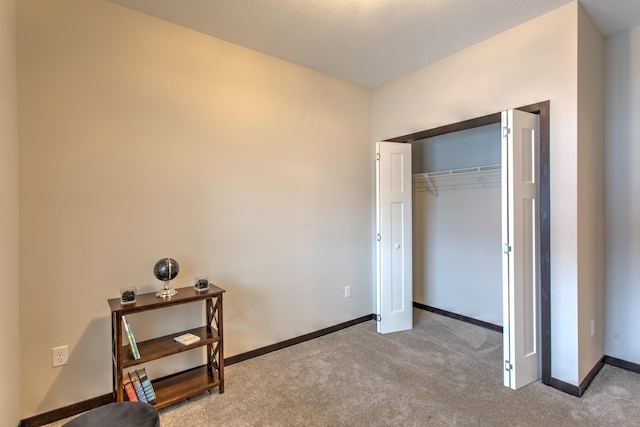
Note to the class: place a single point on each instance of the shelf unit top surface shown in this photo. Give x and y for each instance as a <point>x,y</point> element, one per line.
<point>149,301</point>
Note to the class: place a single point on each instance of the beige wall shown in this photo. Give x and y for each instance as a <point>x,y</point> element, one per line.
<point>140,139</point>
<point>533,62</point>
<point>622,156</point>
<point>9,310</point>
<point>590,193</point>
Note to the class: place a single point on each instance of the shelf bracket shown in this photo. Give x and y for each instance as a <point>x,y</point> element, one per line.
<point>432,189</point>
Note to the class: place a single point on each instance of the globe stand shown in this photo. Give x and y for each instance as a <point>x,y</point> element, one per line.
<point>166,291</point>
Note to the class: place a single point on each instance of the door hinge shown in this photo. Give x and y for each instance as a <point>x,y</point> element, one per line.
<point>378,317</point>
<point>378,237</point>
<point>377,156</point>
<point>506,248</point>
<point>507,365</point>
<point>506,131</point>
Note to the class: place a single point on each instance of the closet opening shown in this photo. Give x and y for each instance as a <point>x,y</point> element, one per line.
<point>461,183</point>
<point>457,227</point>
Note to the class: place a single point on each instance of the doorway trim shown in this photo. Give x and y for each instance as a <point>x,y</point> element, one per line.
<point>543,110</point>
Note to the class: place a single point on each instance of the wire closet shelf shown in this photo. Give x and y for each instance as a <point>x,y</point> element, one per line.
<point>478,176</point>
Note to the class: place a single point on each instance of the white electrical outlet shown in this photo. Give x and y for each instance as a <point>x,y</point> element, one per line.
<point>60,355</point>
<point>593,327</point>
<point>347,291</point>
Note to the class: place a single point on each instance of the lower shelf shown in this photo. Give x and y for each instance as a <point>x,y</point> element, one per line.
<point>183,385</point>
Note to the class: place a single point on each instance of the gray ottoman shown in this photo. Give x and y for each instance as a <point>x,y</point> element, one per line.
<point>122,414</point>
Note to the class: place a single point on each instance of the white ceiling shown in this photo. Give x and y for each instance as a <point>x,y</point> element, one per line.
<point>368,42</point>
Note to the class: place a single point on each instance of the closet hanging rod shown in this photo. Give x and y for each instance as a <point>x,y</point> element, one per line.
<point>456,172</point>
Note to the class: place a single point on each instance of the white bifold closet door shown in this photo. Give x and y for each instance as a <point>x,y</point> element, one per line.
<point>520,264</point>
<point>394,266</point>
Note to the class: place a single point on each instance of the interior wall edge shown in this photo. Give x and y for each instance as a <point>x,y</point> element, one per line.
<point>10,334</point>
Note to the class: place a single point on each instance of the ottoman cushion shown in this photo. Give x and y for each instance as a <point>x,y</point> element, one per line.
<point>121,414</point>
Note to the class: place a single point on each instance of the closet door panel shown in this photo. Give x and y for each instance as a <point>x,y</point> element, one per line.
<point>520,264</point>
<point>394,243</point>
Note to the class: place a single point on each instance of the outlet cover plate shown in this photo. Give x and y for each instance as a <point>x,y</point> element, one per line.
<point>60,356</point>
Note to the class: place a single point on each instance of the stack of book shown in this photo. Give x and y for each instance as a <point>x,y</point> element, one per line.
<point>138,388</point>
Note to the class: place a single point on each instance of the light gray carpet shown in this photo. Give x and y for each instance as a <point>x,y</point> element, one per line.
<point>442,373</point>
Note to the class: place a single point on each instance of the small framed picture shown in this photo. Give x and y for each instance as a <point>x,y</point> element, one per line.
<point>128,295</point>
<point>201,283</point>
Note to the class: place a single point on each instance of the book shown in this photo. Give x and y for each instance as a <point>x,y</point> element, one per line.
<point>133,346</point>
<point>128,388</point>
<point>136,352</point>
<point>137,386</point>
<point>186,339</point>
<point>147,386</point>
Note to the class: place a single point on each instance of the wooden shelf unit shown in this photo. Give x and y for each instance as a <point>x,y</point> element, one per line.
<point>184,384</point>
